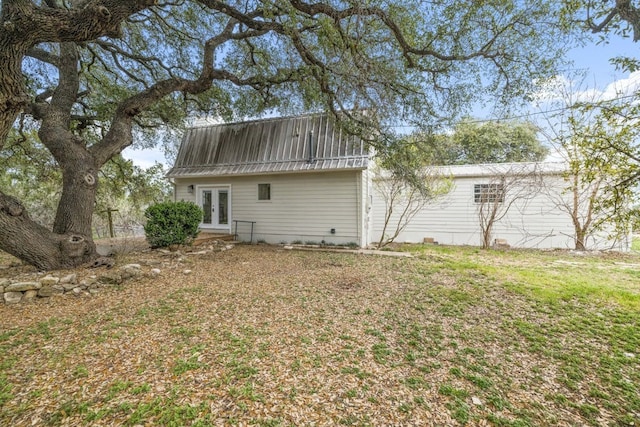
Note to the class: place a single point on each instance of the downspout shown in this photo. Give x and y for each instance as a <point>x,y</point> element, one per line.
<point>359,217</point>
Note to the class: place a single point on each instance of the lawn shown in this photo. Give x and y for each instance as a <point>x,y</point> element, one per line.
<point>268,337</point>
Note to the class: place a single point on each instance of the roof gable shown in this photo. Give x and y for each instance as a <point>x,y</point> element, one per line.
<point>289,144</point>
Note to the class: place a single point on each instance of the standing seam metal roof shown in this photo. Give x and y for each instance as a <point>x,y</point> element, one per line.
<point>269,146</point>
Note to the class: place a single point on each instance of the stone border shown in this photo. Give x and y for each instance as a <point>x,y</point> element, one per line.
<point>24,290</point>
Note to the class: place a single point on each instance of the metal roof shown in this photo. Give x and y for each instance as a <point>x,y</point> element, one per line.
<point>494,169</point>
<point>277,145</point>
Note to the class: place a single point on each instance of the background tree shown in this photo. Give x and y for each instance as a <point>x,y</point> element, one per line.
<point>475,142</point>
<point>99,72</point>
<point>497,142</point>
<point>506,189</point>
<point>406,180</point>
<point>598,140</point>
<point>28,171</point>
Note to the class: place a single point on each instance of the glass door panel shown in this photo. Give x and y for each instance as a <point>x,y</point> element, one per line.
<point>207,207</point>
<point>223,207</point>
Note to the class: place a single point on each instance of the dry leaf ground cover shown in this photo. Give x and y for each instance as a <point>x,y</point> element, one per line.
<point>267,337</point>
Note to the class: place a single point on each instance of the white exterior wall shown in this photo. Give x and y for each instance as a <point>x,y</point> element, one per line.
<point>535,222</point>
<point>304,207</point>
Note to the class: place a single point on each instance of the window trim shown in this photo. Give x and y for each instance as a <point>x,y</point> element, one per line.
<point>488,193</point>
<point>266,185</point>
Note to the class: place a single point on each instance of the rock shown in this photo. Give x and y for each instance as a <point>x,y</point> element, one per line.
<point>288,247</point>
<point>111,279</point>
<point>134,266</point>
<point>29,295</point>
<point>12,297</point>
<point>501,244</point>
<point>94,291</point>
<point>155,272</point>
<point>229,247</point>
<point>58,289</point>
<point>70,278</point>
<point>77,291</point>
<point>46,291</point>
<point>130,270</point>
<point>49,280</point>
<point>187,272</point>
<point>90,280</point>
<point>69,286</point>
<point>476,401</point>
<point>4,282</point>
<point>105,250</point>
<point>628,355</point>
<point>23,286</point>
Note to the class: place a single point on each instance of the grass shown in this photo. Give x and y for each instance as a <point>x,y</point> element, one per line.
<point>260,336</point>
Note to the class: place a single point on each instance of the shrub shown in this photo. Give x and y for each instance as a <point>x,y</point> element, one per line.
<point>172,223</point>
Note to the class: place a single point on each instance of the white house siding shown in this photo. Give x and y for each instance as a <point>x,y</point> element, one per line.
<point>304,207</point>
<point>535,222</point>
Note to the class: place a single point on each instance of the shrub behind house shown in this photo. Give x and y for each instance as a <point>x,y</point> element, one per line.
<point>172,223</point>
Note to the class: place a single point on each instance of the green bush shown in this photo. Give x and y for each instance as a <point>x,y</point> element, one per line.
<point>172,223</point>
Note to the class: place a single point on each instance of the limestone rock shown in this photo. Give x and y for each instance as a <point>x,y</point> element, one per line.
<point>49,280</point>
<point>187,272</point>
<point>130,270</point>
<point>77,291</point>
<point>70,278</point>
<point>23,286</point>
<point>12,297</point>
<point>113,278</point>
<point>46,291</point>
<point>68,286</point>
<point>58,289</point>
<point>29,295</point>
<point>155,272</point>
<point>131,266</point>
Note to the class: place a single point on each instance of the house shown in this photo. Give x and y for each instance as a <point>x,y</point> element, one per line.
<point>294,179</point>
<point>304,180</point>
<point>529,203</point>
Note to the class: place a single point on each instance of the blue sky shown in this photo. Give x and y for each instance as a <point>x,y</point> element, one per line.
<point>593,59</point>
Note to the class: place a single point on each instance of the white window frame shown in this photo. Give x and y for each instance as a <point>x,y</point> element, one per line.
<point>268,184</point>
<point>488,193</point>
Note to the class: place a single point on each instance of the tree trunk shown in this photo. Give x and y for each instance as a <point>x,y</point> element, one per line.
<point>580,241</point>
<point>27,240</point>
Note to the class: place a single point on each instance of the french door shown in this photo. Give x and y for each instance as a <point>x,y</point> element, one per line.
<point>215,202</point>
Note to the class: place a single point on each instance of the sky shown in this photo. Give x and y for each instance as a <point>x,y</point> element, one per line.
<point>593,59</point>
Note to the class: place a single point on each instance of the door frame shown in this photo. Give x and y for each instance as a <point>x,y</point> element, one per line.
<point>215,188</point>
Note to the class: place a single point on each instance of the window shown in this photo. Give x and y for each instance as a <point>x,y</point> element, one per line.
<point>488,193</point>
<point>264,191</point>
